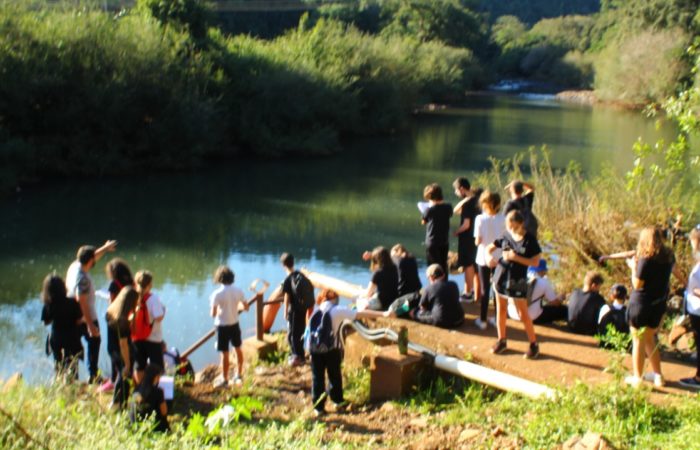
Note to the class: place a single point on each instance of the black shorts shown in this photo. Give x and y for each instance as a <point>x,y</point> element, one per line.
<point>466,251</point>
<point>148,352</point>
<point>643,314</point>
<point>226,334</point>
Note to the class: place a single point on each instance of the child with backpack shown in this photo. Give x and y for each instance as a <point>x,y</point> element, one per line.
<point>149,400</point>
<point>324,344</point>
<point>298,298</point>
<point>615,313</point>
<point>225,303</point>
<point>146,327</point>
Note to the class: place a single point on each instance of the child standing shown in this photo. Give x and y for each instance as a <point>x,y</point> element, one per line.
<point>329,362</point>
<point>468,209</point>
<point>693,305</point>
<point>65,317</point>
<point>296,289</point>
<point>488,226</point>
<point>146,330</point>
<point>436,219</point>
<point>520,251</point>
<point>225,302</point>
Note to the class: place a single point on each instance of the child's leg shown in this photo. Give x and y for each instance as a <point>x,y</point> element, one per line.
<point>637,352</point>
<point>695,323</point>
<point>501,314</point>
<point>239,362</point>
<point>484,287</point>
<point>469,279</point>
<point>521,305</point>
<point>318,381</point>
<point>225,365</point>
<point>335,376</point>
<point>652,349</point>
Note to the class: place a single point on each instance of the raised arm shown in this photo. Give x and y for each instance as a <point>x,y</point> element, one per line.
<point>108,246</point>
<point>620,255</point>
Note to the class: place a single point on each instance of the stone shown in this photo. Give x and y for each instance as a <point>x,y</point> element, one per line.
<point>420,422</point>
<point>498,431</point>
<point>468,434</point>
<point>393,375</point>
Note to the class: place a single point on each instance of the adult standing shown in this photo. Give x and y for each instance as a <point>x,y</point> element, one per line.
<point>468,209</point>
<point>80,285</point>
<point>651,264</point>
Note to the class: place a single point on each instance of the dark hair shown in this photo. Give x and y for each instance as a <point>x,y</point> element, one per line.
<point>380,258</point>
<point>287,260</point>
<point>53,288</point>
<point>224,275</point>
<point>592,278</point>
<point>119,271</point>
<point>432,192</point>
<point>461,182</point>
<point>518,187</point>
<point>85,254</point>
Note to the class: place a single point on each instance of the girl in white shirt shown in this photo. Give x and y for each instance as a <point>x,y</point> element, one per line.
<point>693,304</point>
<point>488,226</point>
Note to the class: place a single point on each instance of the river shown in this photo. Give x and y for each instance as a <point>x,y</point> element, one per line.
<point>325,211</point>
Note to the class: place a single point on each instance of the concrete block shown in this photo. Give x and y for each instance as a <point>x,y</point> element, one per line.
<point>255,349</point>
<point>393,375</point>
<point>359,351</point>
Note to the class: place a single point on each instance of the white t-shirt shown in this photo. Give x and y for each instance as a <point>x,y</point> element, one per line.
<point>155,310</point>
<point>543,289</point>
<point>338,314</point>
<point>79,282</point>
<point>693,301</point>
<point>488,228</point>
<point>226,298</point>
<point>606,309</point>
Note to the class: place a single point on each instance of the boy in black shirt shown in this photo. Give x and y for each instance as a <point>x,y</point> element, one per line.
<point>522,198</point>
<point>584,305</point>
<point>468,209</point>
<point>293,313</point>
<point>439,304</point>
<point>437,226</point>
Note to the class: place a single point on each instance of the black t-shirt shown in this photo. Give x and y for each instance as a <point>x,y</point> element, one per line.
<point>437,224</point>
<point>408,275</point>
<point>470,210</point>
<point>656,274</point>
<point>288,289</point>
<point>527,248</point>
<point>63,314</point>
<point>441,300</point>
<point>387,281</point>
<point>584,308</point>
<point>524,202</point>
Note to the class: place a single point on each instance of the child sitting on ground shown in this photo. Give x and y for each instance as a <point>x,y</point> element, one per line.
<point>584,305</point>
<point>149,400</point>
<point>225,302</point>
<point>615,313</point>
<point>329,360</point>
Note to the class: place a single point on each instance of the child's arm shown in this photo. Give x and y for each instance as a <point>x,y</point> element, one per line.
<point>287,301</point>
<point>510,255</point>
<point>619,255</point>
<point>464,227</point>
<point>213,310</point>
<point>371,289</point>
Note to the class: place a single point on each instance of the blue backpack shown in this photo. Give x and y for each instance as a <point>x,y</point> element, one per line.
<point>320,337</point>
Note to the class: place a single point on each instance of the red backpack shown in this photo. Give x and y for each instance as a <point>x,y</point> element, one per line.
<point>141,326</point>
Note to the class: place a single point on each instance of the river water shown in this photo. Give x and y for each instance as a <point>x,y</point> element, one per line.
<point>324,211</point>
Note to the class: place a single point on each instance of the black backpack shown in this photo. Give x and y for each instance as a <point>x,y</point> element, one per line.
<point>618,319</point>
<point>320,336</point>
<point>303,291</point>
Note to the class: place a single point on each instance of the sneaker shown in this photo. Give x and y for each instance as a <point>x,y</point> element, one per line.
<point>219,382</point>
<point>236,381</point>
<point>319,412</point>
<point>499,347</point>
<point>632,381</point>
<point>533,352</point>
<point>492,322</point>
<point>466,298</point>
<point>691,382</point>
<point>107,386</point>
<point>655,378</point>
<point>340,408</point>
<point>480,325</point>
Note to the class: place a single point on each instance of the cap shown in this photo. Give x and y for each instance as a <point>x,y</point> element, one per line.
<point>541,267</point>
<point>618,291</point>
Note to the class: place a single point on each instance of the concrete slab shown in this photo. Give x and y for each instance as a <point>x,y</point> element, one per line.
<point>255,349</point>
<point>392,375</point>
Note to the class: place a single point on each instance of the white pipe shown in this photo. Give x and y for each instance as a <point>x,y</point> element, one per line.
<point>499,380</point>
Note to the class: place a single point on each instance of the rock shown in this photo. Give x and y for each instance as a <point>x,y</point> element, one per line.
<point>590,441</point>
<point>12,382</point>
<point>420,422</point>
<point>468,434</point>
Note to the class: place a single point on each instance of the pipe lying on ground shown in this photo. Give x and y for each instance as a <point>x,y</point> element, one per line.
<point>465,369</point>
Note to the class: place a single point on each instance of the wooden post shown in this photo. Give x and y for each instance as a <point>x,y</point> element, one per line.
<point>259,330</point>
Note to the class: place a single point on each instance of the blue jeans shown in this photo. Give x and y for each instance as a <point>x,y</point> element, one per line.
<point>320,365</point>
<point>93,350</point>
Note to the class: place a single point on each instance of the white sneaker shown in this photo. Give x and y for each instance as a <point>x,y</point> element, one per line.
<point>480,325</point>
<point>632,381</point>
<point>655,378</point>
<point>492,322</point>
<point>219,382</point>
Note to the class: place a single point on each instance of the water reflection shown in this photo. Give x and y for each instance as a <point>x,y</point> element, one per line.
<point>325,211</point>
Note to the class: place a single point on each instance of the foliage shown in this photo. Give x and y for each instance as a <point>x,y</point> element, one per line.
<point>532,11</point>
<point>190,15</point>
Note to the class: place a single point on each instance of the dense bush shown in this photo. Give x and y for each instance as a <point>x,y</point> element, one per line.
<point>82,92</point>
